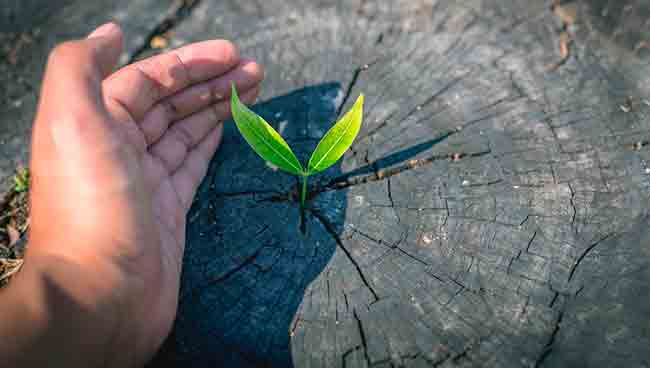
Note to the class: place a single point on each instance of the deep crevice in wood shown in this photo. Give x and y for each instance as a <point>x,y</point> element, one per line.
<point>181,10</point>
<point>331,230</point>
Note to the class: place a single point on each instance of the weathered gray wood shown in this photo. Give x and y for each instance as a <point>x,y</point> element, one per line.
<point>22,16</point>
<point>494,211</point>
<point>623,23</point>
<point>28,32</point>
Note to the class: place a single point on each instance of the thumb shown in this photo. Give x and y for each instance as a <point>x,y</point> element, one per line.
<point>81,65</point>
<point>71,105</point>
<point>73,142</point>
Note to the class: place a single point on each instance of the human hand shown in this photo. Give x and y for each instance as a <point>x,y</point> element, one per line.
<point>116,160</point>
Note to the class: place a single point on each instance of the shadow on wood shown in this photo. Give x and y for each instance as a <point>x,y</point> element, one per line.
<point>246,264</point>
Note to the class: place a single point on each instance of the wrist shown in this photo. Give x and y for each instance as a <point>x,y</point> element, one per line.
<point>53,317</point>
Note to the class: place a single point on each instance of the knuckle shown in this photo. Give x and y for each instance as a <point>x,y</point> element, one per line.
<point>182,71</point>
<point>153,88</point>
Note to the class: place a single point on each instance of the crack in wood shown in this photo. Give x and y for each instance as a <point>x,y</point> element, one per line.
<point>455,358</point>
<point>345,355</point>
<point>397,247</point>
<point>419,107</point>
<point>584,254</point>
<point>548,348</point>
<point>353,82</point>
<point>330,229</point>
<point>392,202</point>
<point>362,334</point>
<point>248,261</point>
<point>180,10</point>
<point>382,174</point>
<point>243,193</point>
<point>573,206</point>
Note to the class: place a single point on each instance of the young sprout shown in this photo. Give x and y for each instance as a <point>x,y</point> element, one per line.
<point>270,145</point>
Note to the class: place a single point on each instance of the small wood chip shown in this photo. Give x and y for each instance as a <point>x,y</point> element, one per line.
<point>567,13</point>
<point>629,104</point>
<point>564,45</point>
<point>158,42</point>
<point>565,41</point>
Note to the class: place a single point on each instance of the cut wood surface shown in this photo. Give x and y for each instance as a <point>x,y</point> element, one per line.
<point>493,211</point>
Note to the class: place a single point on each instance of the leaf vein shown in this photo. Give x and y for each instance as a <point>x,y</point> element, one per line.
<point>335,143</point>
<point>261,136</point>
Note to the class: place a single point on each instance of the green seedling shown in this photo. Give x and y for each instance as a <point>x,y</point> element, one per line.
<point>270,145</point>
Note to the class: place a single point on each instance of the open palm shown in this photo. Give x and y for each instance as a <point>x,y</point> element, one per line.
<point>116,162</point>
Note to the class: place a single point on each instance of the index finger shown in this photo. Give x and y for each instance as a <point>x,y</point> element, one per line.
<point>137,87</point>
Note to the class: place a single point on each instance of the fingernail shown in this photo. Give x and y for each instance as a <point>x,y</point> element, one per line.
<point>104,30</point>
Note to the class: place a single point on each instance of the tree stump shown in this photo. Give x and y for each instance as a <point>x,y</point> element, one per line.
<point>492,212</point>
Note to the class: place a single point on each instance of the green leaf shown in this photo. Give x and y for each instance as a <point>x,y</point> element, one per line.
<point>261,136</point>
<point>337,140</point>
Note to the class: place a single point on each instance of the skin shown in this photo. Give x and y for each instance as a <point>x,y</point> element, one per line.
<point>116,160</point>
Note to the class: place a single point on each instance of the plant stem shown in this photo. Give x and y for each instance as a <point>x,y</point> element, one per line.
<point>303,196</point>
